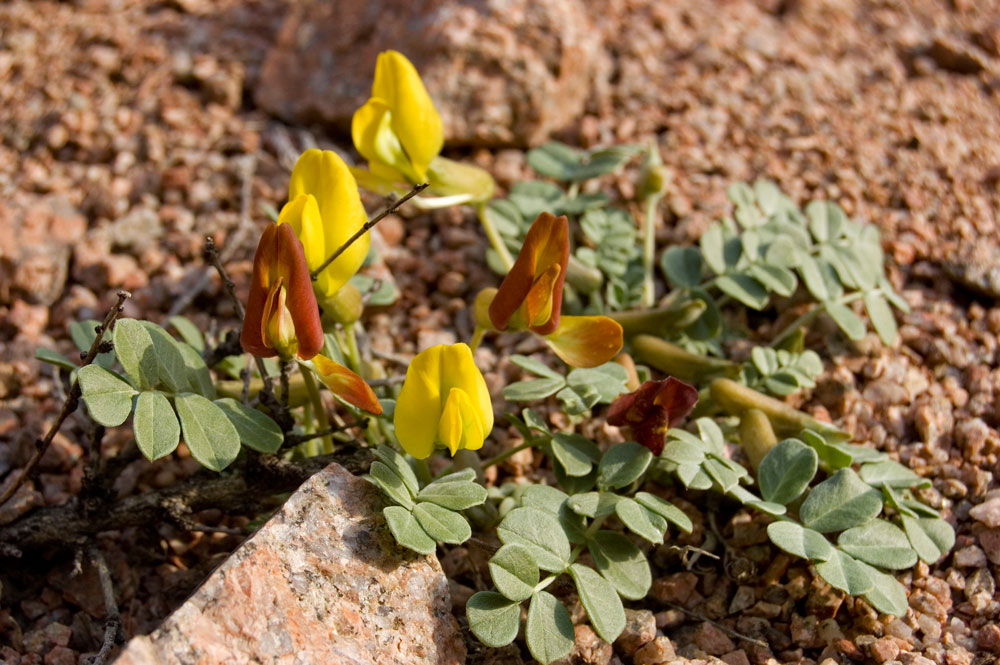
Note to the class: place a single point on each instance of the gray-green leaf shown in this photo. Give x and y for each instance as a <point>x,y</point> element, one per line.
<point>208,433</point>
<point>549,629</point>
<point>621,563</point>
<point>785,472</point>
<point>493,619</point>
<point>540,532</point>
<point>387,480</point>
<point>514,572</point>
<point>576,453</point>
<point>879,543</point>
<point>802,542</point>
<point>600,598</point>
<point>887,594</point>
<point>256,430</point>
<point>682,265</point>
<point>442,524</point>
<point>407,531</point>
<point>155,426</point>
<point>844,573</point>
<point>108,398</point>
<point>134,349</point>
<point>840,502</point>
<point>640,520</point>
<point>623,464</point>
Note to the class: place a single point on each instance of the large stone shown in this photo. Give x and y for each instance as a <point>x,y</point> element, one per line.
<point>500,71</point>
<point>322,582</point>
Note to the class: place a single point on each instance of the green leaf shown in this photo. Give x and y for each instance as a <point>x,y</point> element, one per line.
<point>782,252</point>
<point>493,619</point>
<point>576,453</point>
<point>171,367</point>
<point>540,532</point>
<point>682,265</point>
<point>594,504</point>
<point>549,629</point>
<point>188,331</point>
<point>623,464</point>
<point>156,429</point>
<point>844,573</point>
<point>505,217</point>
<point>533,197</point>
<point>881,317</point>
<point>812,277</point>
<point>574,484</point>
<point>712,245</point>
<point>395,461</point>
<point>407,531</point>
<point>514,572</point>
<point>442,524</point>
<point>533,389</point>
<point>786,470</point>
<point>377,293</point>
<point>108,398</point>
<point>723,475</point>
<point>892,474</point>
<point>711,435</point>
<point>879,543</point>
<point>607,380</point>
<point>454,494</point>
<point>383,477</point>
<point>199,379</point>
<point>832,457</point>
<point>54,358</point>
<point>601,600</point>
<point>134,350</point>
<point>574,403</point>
<point>887,595</point>
<point>743,288</point>
<point>681,452</point>
<point>666,510</point>
<point>846,320</point>
<point>621,563</point>
<point>208,433</point>
<point>562,162</point>
<point>825,220</point>
<point>840,502</point>
<point>799,541</point>
<point>641,521</point>
<point>555,501</point>
<point>256,430</point>
<point>535,366</point>
<point>775,278</point>
<point>930,537</point>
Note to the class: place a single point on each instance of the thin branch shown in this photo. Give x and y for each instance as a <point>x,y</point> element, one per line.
<point>391,208</point>
<point>113,619</point>
<point>72,400</point>
<point>292,440</point>
<point>728,631</point>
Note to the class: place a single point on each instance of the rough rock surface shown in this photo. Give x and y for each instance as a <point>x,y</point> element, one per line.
<point>501,72</point>
<point>322,582</point>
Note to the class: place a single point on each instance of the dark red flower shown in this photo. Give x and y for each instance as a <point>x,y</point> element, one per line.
<point>282,318</point>
<point>653,409</point>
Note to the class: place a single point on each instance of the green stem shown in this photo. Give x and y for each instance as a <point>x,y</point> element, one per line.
<point>648,252</point>
<point>353,355</point>
<point>813,313</point>
<point>423,471</point>
<point>496,240</point>
<point>477,337</point>
<point>318,407</point>
<point>507,453</point>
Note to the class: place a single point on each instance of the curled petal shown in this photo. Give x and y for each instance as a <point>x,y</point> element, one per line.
<point>347,385</point>
<point>586,341</point>
<point>251,337</point>
<point>653,409</point>
<point>545,245</point>
<point>459,427</point>
<point>324,175</point>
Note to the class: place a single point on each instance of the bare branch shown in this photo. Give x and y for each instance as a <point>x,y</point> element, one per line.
<point>113,619</point>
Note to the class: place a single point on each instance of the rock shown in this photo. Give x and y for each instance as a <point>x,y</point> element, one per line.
<point>970,557</point>
<point>955,56</point>
<point>712,640</point>
<point>883,649</point>
<point>987,512</point>
<point>990,541</point>
<point>977,266</point>
<point>737,657</point>
<point>660,650</point>
<point>322,582</point>
<point>640,628</point>
<point>588,648</point>
<point>506,72</point>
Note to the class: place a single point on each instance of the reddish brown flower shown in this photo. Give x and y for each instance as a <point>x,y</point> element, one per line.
<point>653,409</point>
<point>531,293</point>
<point>282,318</point>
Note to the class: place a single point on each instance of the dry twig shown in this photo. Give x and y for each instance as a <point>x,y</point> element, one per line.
<point>113,619</point>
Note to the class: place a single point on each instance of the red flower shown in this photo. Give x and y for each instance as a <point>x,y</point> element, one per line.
<point>531,293</point>
<point>282,318</point>
<point>653,409</point>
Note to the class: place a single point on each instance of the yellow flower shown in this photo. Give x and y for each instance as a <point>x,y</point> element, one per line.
<point>398,130</point>
<point>324,209</point>
<point>444,400</point>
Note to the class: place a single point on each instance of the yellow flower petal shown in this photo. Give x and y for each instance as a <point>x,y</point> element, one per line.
<point>586,341</point>
<point>324,175</point>
<point>415,121</point>
<point>459,426</point>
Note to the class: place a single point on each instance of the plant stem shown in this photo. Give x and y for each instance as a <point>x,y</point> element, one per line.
<point>477,337</point>
<point>318,407</point>
<point>649,251</point>
<point>423,471</point>
<point>285,390</point>
<point>493,235</point>
<point>813,313</point>
<point>353,355</point>
<point>507,453</point>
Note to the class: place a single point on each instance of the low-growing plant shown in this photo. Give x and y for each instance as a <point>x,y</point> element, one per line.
<point>578,274</point>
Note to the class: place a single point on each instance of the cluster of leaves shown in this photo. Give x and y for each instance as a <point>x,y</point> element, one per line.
<point>164,383</point>
<point>780,371</point>
<point>545,529</point>
<point>609,238</point>
<point>769,246</point>
<point>422,517</point>
<point>578,391</point>
<point>846,503</point>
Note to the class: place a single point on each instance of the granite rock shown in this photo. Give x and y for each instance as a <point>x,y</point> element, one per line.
<point>322,582</point>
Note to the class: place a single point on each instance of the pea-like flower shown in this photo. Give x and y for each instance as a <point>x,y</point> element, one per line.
<point>324,210</point>
<point>653,409</point>
<point>444,400</point>
<point>282,318</point>
<point>398,130</point>
<point>530,298</point>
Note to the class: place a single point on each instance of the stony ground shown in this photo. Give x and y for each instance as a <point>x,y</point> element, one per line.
<point>131,129</point>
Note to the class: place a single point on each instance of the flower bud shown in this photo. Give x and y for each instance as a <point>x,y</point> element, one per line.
<point>344,306</point>
<point>481,308</point>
